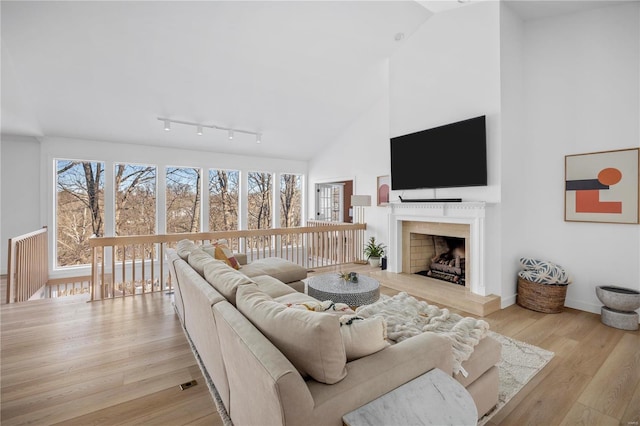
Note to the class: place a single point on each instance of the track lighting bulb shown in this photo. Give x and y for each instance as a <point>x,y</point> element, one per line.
<point>199,128</point>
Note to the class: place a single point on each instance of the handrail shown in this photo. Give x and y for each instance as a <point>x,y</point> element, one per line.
<point>27,270</point>
<point>133,265</point>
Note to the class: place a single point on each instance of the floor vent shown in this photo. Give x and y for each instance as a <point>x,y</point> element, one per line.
<point>188,385</point>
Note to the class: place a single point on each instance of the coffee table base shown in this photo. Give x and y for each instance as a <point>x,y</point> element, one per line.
<point>331,287</point>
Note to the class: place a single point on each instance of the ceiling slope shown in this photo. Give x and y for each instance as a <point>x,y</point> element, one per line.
<point>298,72</point>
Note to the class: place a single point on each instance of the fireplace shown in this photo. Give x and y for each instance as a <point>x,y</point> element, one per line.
<point>439,257</point>
<point>454,221</point>
<point>436,250</point>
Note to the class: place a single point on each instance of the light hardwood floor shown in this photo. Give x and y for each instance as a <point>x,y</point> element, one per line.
<point>121,362</point>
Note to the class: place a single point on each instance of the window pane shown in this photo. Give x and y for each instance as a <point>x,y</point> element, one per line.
<point>290,200</point>
<point>259,202</point>
<point>223,200</point>
<point>135,199</point>
<point>79,209</point>
<point>183,200</point>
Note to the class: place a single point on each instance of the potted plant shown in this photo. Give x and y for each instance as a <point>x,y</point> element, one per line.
<point>374,251</point>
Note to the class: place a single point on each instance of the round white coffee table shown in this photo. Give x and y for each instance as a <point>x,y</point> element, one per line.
<point>332,287</point>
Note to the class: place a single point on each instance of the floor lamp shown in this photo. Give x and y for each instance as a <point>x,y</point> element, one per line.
<point>359,202</point>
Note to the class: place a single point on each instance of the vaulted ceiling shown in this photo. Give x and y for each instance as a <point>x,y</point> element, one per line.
<point>299,72</point>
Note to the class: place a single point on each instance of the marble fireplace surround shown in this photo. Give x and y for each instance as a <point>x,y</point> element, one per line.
<point>434,218</point>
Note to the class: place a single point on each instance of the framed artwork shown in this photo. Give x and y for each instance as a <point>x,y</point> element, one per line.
<point>602,187</point>
<point>384,186</point>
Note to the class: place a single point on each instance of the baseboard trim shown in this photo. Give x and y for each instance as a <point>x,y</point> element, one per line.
<point>507,301</point>
<point>582,306</point>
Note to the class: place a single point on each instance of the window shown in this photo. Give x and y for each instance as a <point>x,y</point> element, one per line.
<point>183,200</point>
<point>329,202</point>
<point>290,200</point>
<point>259,202</point>
<point>223,200</point>
<point>79,209</point>
<point>135,199</point>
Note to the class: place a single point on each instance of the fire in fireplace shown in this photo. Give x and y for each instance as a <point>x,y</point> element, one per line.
<point>449,262</point>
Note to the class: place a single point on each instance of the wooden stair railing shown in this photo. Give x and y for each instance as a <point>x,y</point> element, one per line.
<point>134,265</point>
<point>28,269</point>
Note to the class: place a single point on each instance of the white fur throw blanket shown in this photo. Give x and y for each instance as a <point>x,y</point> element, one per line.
<point>406,317</point>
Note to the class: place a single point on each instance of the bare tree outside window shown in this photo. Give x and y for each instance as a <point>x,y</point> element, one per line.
<point>135,199</point>
<point>260,200</point>
<point>183,200</point>
<point>79,209</point>
<point>223,200</point>
<point>290,200</point>
<point>135,212</point>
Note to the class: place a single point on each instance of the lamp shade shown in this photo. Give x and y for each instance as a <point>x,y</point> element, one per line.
<point>360,200</point>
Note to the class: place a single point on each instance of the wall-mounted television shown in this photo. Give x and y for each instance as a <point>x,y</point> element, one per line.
<point>453,155</point>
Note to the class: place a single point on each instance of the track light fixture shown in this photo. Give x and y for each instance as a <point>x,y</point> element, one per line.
<point>167,126</point>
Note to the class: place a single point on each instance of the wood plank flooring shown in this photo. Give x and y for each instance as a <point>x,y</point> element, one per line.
<point>70,362</point>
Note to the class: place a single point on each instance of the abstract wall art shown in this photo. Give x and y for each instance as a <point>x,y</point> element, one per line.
<point>384,185</point>
<point>603,186</point>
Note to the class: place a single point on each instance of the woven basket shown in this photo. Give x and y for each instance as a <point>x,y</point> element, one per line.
<point>547,298</point>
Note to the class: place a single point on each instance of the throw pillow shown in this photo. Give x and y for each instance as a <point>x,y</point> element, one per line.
<point>311,342</point>
<point>327,306</point>
<point>362,336</point>
<point>543,272</point>
<point>224,253</point>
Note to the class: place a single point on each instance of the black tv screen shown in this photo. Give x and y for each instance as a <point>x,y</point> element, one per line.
<point>453,155</point>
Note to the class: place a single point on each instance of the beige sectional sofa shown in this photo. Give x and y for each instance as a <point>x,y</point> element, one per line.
<point>273,364</point>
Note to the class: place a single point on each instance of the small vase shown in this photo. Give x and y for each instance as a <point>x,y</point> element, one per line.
<point>374,261</point>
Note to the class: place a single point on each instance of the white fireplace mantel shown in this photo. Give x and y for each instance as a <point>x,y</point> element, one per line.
<point>470,213</point>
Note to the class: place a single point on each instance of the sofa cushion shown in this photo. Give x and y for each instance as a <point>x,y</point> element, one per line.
<point>184,248</point>
<point>198,259</point>
<point>273,287</point>
<point>362,336</point>
<point>310,340</point>
<point>276,267</point>
<point>295,297</point>
<point>486,354</point>
<point>225,279</point>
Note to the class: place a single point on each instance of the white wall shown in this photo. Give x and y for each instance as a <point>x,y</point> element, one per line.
<point>581,94</point>
<point>513,147</point>
<point>20,189</point>
<point>449,70</point>
<point>362,150</point>
<point>549,88</point>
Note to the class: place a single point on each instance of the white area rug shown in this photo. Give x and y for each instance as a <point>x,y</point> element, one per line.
<point>407,316</point>
<point>520,363</point>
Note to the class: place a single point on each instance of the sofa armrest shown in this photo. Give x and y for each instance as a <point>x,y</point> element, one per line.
<point>372,376</point>
<point>241,258</point>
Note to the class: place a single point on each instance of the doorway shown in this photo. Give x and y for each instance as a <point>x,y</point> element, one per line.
<point>333,201</point>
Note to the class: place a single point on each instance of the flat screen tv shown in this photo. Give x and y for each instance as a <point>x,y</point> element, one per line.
<point>453,155</point>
